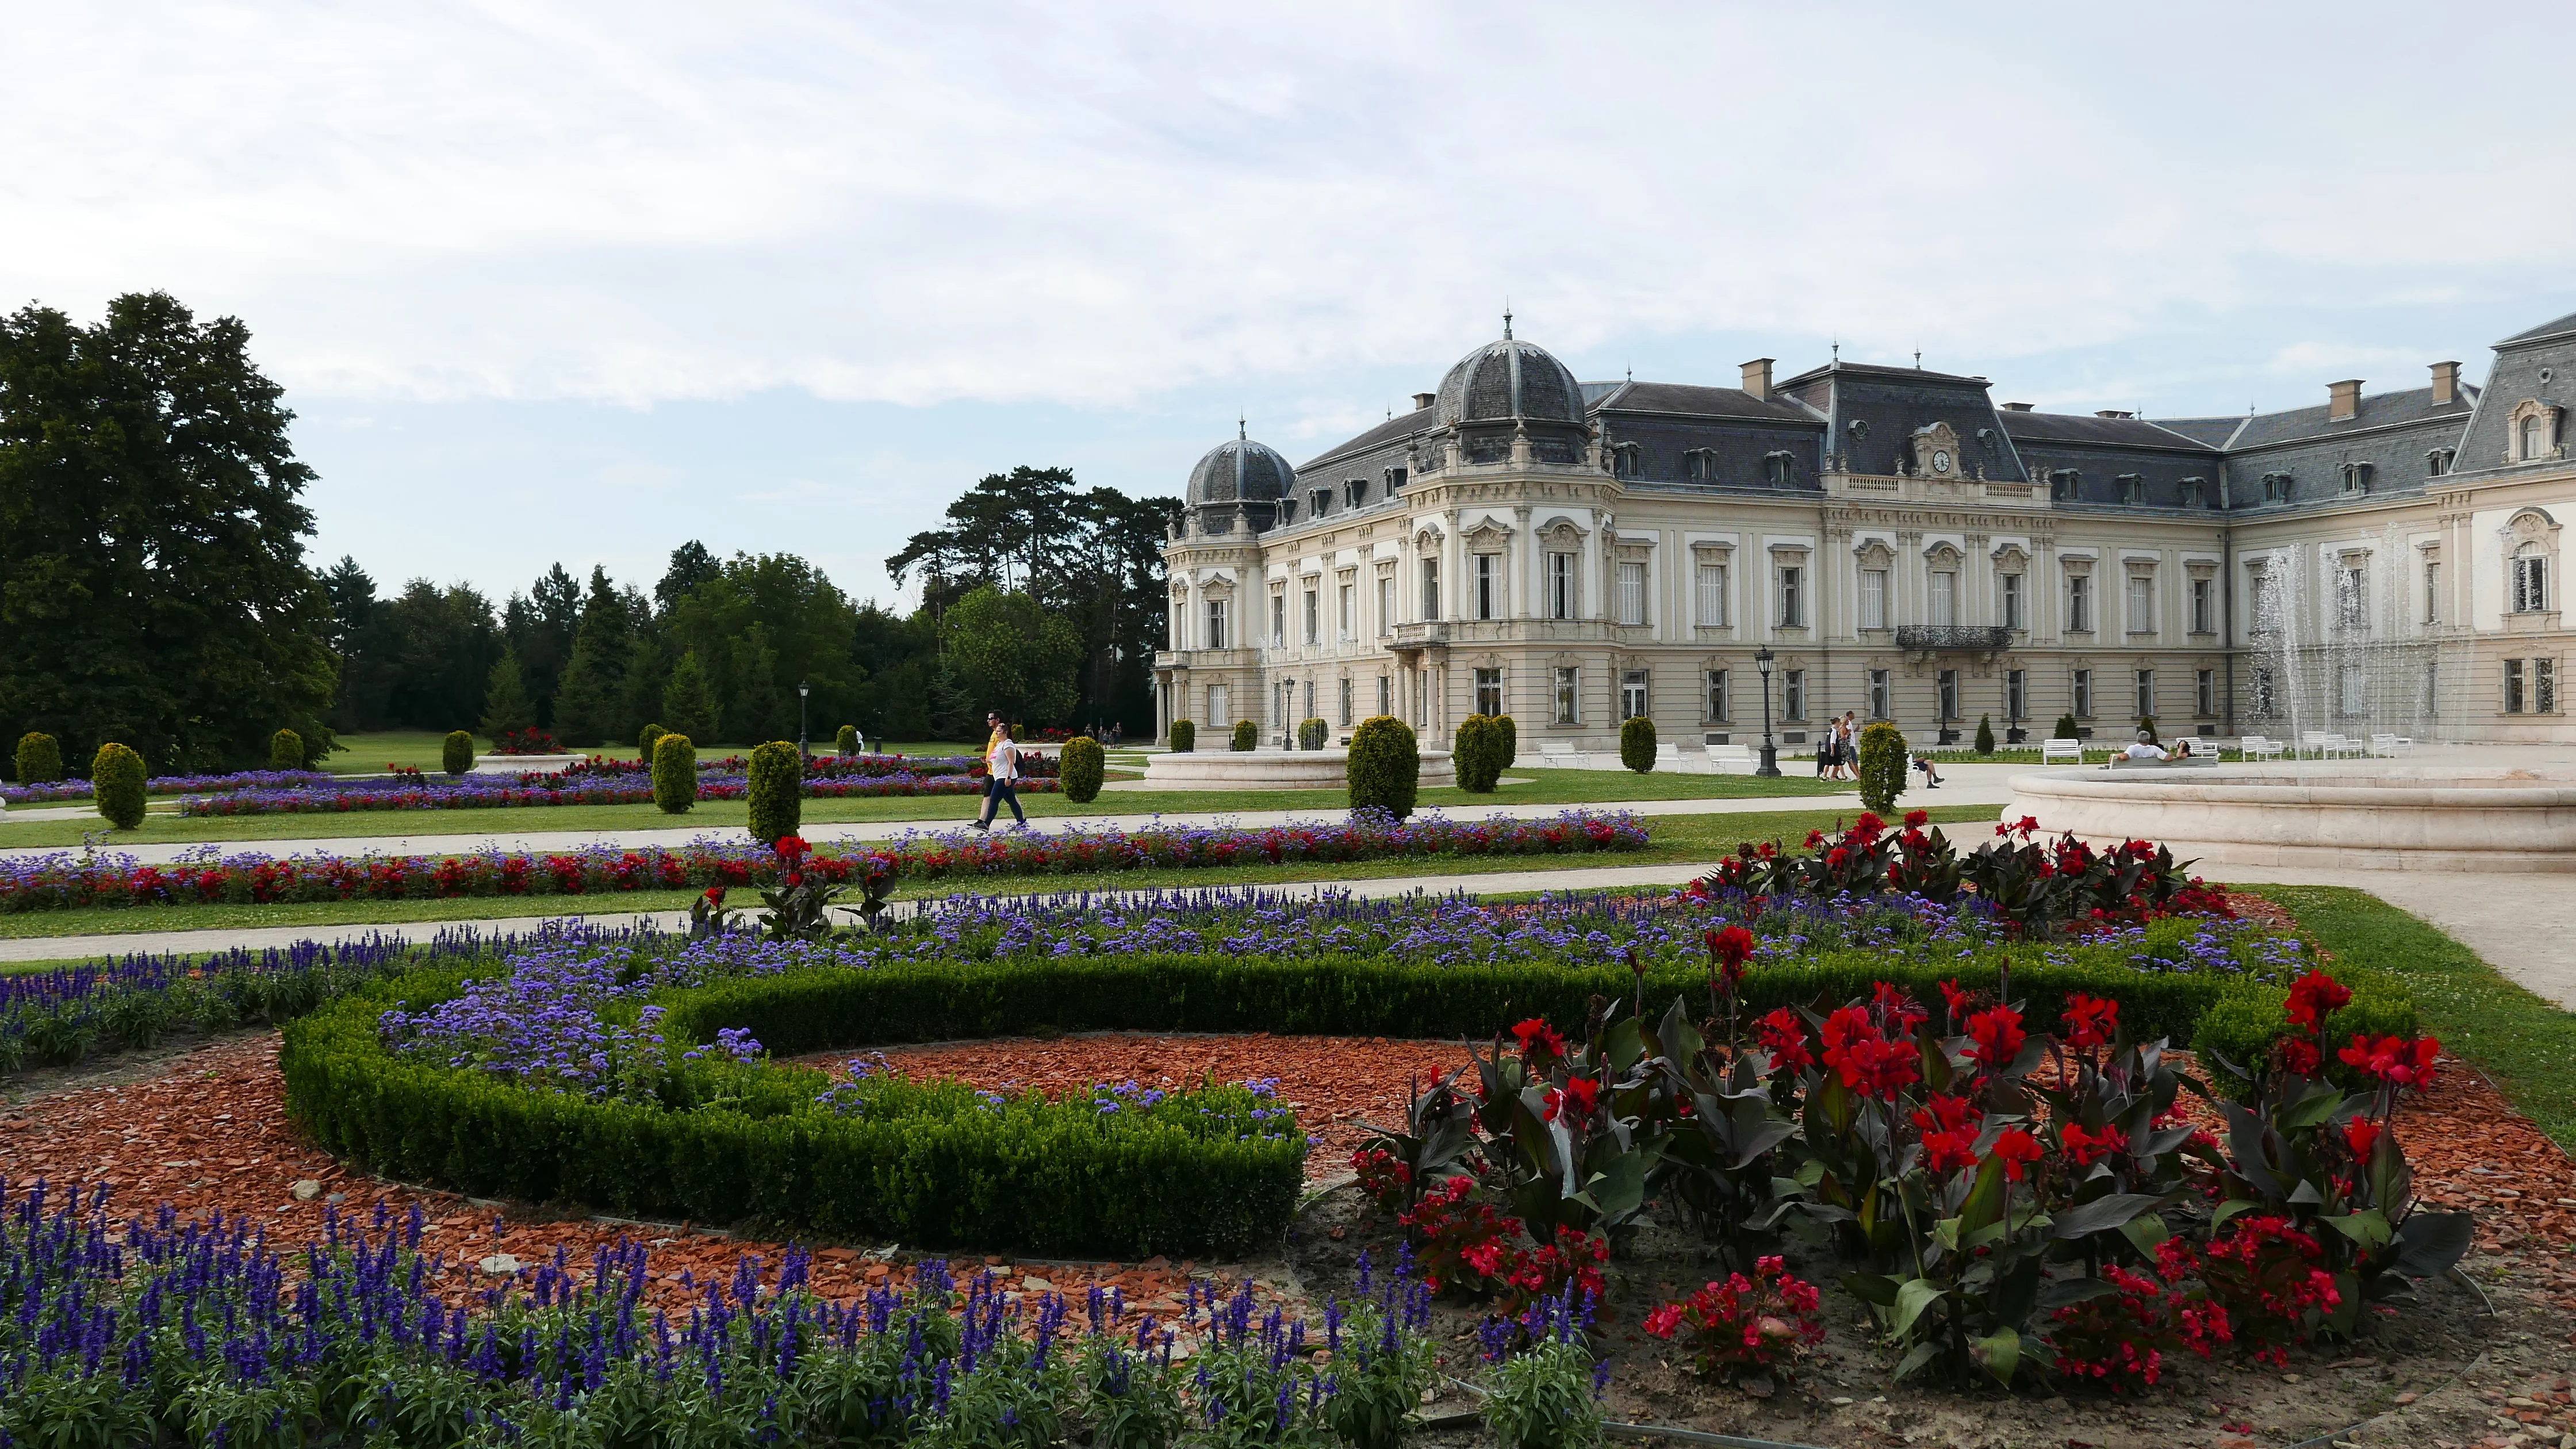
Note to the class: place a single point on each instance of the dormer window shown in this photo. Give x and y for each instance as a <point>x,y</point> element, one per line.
<point>1323,499</point>
<point>2064,484</point>
<point>2195,493</point>
<point>1357,489</point>
<point>2438,461</point>
<point>1700,464</point>
<point>2133,488</point>
<point>1777,466</point>
<point>2356,477</point>
<point>1287,511</point>
<point>1626,461</point>
<point>2276,487</point>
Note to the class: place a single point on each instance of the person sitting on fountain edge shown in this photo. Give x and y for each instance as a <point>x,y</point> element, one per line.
<point>2146,749</point>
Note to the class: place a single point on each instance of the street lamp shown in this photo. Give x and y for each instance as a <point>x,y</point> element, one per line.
<point>1770,766</point>
<point>802,689</point>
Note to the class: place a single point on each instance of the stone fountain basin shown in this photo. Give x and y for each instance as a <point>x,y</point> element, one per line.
<point>1326,769</point>
<point>2358,816</point>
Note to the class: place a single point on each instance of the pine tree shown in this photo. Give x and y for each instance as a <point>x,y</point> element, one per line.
<point>586,696</point>
<point>688,701</point>
<point>505,699</point>
<point>639,698</point>
<point>754,712</point>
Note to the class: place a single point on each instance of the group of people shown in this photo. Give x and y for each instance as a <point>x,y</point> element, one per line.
<point>1838,753</point>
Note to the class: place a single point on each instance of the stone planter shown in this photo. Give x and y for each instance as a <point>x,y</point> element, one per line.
<point>523,764</point>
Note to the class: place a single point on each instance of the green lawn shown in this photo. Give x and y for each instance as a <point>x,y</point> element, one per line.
<point>1545,787</point>
<point>2524,1044</point>
<point>370,752</point>
<point>1676,838</point>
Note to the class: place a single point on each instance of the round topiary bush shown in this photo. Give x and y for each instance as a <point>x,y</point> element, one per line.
<point>1507,738</point>
<point>1385,767</point>
<point>1246,736</point>
<point>456,752</point>
<point>1477,756</point>
<point>116,784</point>
<point>777,792</point>
<point>675,773</point>
<point>1185,736</point>
<point>2066,728</point>
<point>1080,772</point>
<point>1882,767</point>
<point>40,758</point>
<point>286,750</point>
<point>1985,734</point>
<point>847,741</point>
<point>1312,733</point>
<point>644,739</point>
<point>1637,744</point>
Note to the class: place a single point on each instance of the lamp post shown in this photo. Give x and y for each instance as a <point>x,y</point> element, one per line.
<point>802,690</point>
<point>1770,766</point>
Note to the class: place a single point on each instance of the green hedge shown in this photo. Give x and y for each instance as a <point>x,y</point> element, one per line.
<point>1477,754</point>
<point>1507,737</point>
<point>776,791</point>
<point>644,739</point>
<point>1247,735</point>
<point>456,752</point>
<point>1882,767</point>
<point>1311,734</point>
<point>116,785</point>
<point>845,740</point>
<point>40,758</point>
<point>286,750</point>
<point>675,773</point>
<point>1185,736</point>
<point>1384,768</point>
<point>1637,744</point>
<point>1082,769</point>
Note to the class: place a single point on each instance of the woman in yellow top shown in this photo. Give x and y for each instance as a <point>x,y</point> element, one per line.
<point>1001,771</point>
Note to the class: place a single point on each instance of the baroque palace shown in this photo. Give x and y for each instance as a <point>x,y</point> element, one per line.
<point>1901,545</point>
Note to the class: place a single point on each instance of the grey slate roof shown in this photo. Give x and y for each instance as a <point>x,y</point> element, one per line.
<point>2386,409</point>
<point>2213,431</point>
<point>1687,400</point>
<point>1394,430</point>
<point>1873,370</point>
<point>2108,432</point>
<point>2546,329</point>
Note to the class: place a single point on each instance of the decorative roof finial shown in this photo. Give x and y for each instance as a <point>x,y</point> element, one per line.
<point>1507,320</point>
<point>1241,433</point>
<point>1838,350</point>
<point>1918,359</point>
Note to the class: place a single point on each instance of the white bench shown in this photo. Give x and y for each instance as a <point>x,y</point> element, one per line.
<point>2390,745</point>
<point>2055,748</point>
<point>2259,747</point>
<point>1731,759</point>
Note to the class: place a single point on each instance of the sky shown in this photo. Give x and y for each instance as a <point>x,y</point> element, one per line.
<point>580,282</point>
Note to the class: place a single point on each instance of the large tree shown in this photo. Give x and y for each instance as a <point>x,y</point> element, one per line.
<point>153,584</point>
<point>1008,652</point>
<point>761,626</point>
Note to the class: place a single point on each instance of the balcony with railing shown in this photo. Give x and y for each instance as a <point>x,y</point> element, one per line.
<point>1954,638</point>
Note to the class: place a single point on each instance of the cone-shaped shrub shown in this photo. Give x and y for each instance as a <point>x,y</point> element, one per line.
<point>847,741</point>
<point>644,739</point>
<point>1477,755</point>
<point>1246,735</point>
<point>1985,734</point>
<point>40,758</point>
<point>2066,727</point>
<point>1385,767</point>
<point>456,752</point>
<point>675,773</point>
<point>1311,734</point>
<point>1882,767</point>
<point>777,790</point>
<point>1507,740</point>
<point>2147,727</point>
<point>286,750</point>
<point>1637,744</point>
<point>116,783</point>
<point>1081,769</point>
<point>1185,736</point>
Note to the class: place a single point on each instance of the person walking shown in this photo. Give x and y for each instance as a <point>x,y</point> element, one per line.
<point>1001,772</point>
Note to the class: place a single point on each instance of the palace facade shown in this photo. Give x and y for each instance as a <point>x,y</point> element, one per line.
<point>1901,545</point>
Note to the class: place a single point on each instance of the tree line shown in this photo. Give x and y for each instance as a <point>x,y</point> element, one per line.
<point>155,590</point>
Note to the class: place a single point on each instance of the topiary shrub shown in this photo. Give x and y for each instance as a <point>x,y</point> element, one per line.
<point>1312,733</point>
<point>456,752</point>
<point>286,750</point>
<point>1081,770</point>
<point>1985,734</point>
<point>116,784</point>
<point>1882,767</point>
<point>776,791</point>
<point>2147,727</point>
<point>2066,728</point>
<point>1385,767</point>
<point>1477,754</point>
<point>40,758</point>
<point>675,773</point>
<point>1246,736</point>
<point>1507,740</point>
<point>1185,736</point>
<point>1637,744</point>
<point>644,739</point>
<point>846,742</point>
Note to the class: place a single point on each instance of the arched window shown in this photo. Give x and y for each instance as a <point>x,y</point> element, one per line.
<point>2530,580</point>
<point>1625,461</point>
<point>2532,433</point>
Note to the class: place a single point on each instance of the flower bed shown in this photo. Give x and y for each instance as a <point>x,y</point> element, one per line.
<point>484,792</point>
<point>64,880</point>
<point>173,785</point>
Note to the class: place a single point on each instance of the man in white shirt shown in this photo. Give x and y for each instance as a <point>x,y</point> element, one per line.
<point>2146,749</point>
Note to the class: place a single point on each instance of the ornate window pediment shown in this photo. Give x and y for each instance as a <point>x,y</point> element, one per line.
<point>1488,537</point>
<point>1562,535</point>
<point>1873,553</point>
<point>2533,432</point>
<point>1942,555</point>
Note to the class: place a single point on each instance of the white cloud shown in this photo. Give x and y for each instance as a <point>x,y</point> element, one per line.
<point>1095,205</point>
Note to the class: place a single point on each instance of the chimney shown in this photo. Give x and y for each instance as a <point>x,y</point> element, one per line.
<point>1423,400</point>
<point>2016,407</point>
<point>2446,384</point>
<point>2343,400</point>
<point>1757,377</point>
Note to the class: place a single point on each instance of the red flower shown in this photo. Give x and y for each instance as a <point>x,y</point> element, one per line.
<point>2361,1134</point>
<point>1897,1008</point>
<point>1956,999</point>
<point>2091,1021</point>
<point>2297,1057</point>
<point>1538,1040</point>
<point>1581,1093</point>
<point>1784,1036</point>
<point>2018,1149</point>
<point>1952,1150</point>
<point>1998,1036</point>
<point>2084,1148</point>
<point>1917,819</point>
<point>793,847</point>
<point>2399,1063</point>
<point>715,895</point>
<point>2313,996</point>
<point>1947,1113</point>
<point>1728,950</point>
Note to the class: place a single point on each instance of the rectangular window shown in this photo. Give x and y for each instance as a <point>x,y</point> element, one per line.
<point>2432,593</point>
<point>1560,586</point>
<point>1945,597</point>
<point>2265,615</point>
<point>1718,703</point>
<point>1310,701</point>
<point>2012,602</point>
<point>1712,595</point>
<point>2351,600</point>
<point>2142,618</point>
<point>1632,593</point>
<point>1949,695</point>
<point>2079,604</point>
<point>1878,694</point>
<point>2352,690</point>
<point>2083,692</point>
<point>1793,600</point>
<point>1489,691</point>
<point>1873,598</point>
<point>1632,694</point>
<point>1220,714</point>
<point>1350,621</point>
<point>2146,700</point>
<point>1793,694</point>
<point>1346,704</point>
<point>1385,609</point>
<point>2530,584</point>
<point>2432,688</point>
<point>2204,692</point>
<point>1569,696</point>
<point>1385,695</point>
<point>2513,686</point>
<point>1314,616</point>
<point>1489,585</point>
<point>2016,695</point>
<point>1421,698</point>
<point>1431,588</point>
<point>1216,624</point>
<point>1278,621</point>
<point>2204,606</point>
<point>2544,686</point>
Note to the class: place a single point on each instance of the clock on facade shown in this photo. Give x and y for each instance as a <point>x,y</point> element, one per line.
<point>1940,460</point>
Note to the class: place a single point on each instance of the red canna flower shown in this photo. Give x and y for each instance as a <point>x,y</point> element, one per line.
<point>1998,1036</point>
<point>2091,1021</point>
<point>1917,819</point>
<point>1951,1150</point>
<point>2313,996</point>
<point>2084,1148</point>
<point>2298,1057</point>
<point>1784,1036</point>
<point>1539,1041</point>
<point>1580,1094</point>
<point>2361,1134</point>
<point>2018,1149</point>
